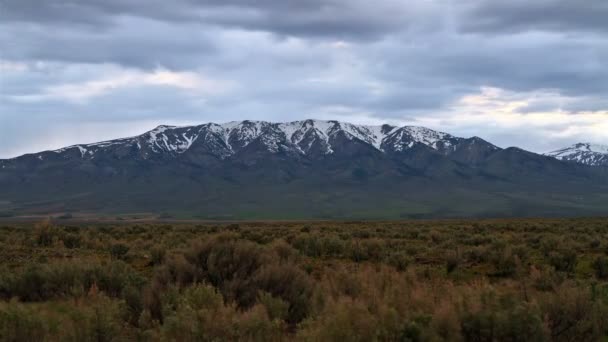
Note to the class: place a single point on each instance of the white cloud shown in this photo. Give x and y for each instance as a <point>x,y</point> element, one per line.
<point>532,120</point>
<point>11,66</point>
<point>81,92</point>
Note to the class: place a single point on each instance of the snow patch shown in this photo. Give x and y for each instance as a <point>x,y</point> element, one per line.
<point>583,153</point>
<point>275,136</point>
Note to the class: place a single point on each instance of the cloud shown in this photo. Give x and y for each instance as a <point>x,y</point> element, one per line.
<point>81,92</point>
<point>308,18</point>
<point>136,63</point>
<point>492,16</point>
<point>510,119</point>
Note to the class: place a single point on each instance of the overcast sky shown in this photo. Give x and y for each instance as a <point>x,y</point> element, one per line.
<point>532,74</point>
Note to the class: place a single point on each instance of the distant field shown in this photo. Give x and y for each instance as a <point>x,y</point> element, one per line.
<point>139,278</point>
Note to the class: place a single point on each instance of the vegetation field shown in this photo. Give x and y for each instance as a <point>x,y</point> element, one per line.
<point>451,280</point>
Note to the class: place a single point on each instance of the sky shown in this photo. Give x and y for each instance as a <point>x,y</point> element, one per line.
<point>532,74</point>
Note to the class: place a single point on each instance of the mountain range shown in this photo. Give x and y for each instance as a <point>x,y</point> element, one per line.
<point>583,153</point>
<point>305,169</point>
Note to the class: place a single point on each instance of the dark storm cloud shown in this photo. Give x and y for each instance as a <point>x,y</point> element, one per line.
<point>552,15</point>
<point>151,44</point>
<point>353,18</point>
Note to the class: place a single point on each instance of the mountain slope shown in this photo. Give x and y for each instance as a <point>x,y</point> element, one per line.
<point>302,169</point>
<point>301,137</point>
<point>583,153</point>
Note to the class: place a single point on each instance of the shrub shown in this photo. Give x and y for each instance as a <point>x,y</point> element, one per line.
<point>275,307</point>
<point>572,315</point>
<point>133,304</point>
<point>119,251</point>
<point>240,270</point>
<point>201,315</point>
<point>345,320</point>
<point>38,282</point>
<point>71,240</point>
<point>452,260</point>
<point>505,262</point>
<point>600,265</point>
<point>289,283</point>
<point>45,233</point>
<point>399,261</point>
<point>98,320</point>
<point>501,318</point>
<point>20,324</point>
<point>157,255</point>
<point>563,261</point>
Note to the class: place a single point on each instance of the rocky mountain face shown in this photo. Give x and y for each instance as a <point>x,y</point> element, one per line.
<point>301,169</point>
<point>583,153</point>
<point>311,138</point>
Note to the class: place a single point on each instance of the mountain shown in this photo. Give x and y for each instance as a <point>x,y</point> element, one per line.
<point>583,153</point>
<point>301,169</point>
<point>307,138</point>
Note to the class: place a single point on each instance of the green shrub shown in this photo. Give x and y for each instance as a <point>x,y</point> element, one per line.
<point>292,285</point>
<point>71,240</point>
<point>342,321</point>
<point>563,261</point>
<point>157,255</point>
<point>505,262</point>
<point>119,251</point>
<point>37,282</point>
<point>20,324</point>
<point>275,307</point>
<point>502,319</point>
<point>600,265</point>
<point>45,233</point>
<point>572,315</point>
<point>200,315</point>
<point>399,261</point>
<point>452,260</point>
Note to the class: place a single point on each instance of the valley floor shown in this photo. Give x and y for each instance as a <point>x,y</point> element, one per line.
<point>452,280</point>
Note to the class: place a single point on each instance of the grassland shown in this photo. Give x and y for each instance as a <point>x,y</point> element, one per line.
<point>449,280</point>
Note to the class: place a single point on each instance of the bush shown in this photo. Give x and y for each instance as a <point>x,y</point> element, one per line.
<point>342,321</point>
<point>563,261</point>
<point>133,304</point>
<point>505,263</point>
<point>201,315</point>
<point>276,308</point>
<point>501,318</point>
<point>71,240</point>
<point>157,255</point>
<point>98,320</point>
<point>572,315</point>
<point>38,282</point>
<point>45,233</point>
<point>399,261</point>
<point>119,251</point>
<point>600,265</point>
<point>452,260</point>
<point>20,324</point>
<point>240,270</point>
<point>290,284</point>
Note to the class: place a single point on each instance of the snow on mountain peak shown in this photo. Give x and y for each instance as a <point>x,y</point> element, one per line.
<point>427,136</point>
<point>297,136</point>
<point>583,153</point>
<point>597,148</point>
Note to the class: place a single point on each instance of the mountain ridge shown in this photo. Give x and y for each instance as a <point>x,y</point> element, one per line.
<point>583,153</point>
<point>297,135</point>
<point>303,169</point>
